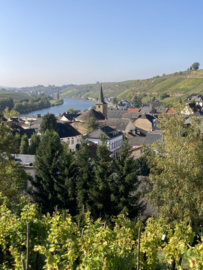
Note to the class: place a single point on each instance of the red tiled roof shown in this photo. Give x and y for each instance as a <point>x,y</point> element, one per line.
<point>170,111</point>
<point>132,110</point>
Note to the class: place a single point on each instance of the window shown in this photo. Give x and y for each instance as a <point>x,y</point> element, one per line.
<point>98,106</point>
<point>78,140</point>
<point>72,141</point>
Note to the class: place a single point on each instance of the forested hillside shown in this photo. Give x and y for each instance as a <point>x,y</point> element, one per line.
<point>178,84</point>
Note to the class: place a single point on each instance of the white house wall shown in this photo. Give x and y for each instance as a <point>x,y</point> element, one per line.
<point>72,141</point>
<point>112,144</point>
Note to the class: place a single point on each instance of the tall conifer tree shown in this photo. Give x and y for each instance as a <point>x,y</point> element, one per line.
<point>85,177</point>
<point>101,191</point>
<point>48,162</point>
<point>35,140</point>
<point>67,188</point>
<point>24,145</point>
<point>125,195</point>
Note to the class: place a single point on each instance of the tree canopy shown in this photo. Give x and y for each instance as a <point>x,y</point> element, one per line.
<point>48,122</point>
<point>176,169</point>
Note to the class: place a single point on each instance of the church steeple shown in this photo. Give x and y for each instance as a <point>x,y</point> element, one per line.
<point>101,105</point>
<point>101,97</point>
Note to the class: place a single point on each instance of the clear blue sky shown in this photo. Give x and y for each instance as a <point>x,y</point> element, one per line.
<point>83,41</point>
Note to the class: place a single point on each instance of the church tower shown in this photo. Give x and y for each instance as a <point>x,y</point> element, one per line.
<point>101,105</point>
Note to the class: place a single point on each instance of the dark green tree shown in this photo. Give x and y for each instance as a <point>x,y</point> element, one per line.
<point>48,122</point>
<point>91,124</point>
<point>101,190</point>
<point>125,196</point>
<point>57,94</point>
<point>195,66</point>
<point>24,148</point>
<point>138,101</point>
<point>67,189</point>
<point>34,143</point>
<point>85,177</point>
<point>48,164</point>
<point>18,141</point>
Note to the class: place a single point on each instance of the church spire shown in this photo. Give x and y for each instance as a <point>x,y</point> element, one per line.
<point>101,97</point>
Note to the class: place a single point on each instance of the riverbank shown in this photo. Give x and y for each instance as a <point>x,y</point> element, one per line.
<point>76,104</point>
<point>56,102</point>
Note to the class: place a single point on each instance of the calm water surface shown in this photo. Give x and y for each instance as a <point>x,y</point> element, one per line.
<point>76,104</point>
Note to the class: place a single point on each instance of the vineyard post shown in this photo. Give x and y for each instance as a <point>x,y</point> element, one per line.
<point>28,239</point>
<point>82,233</point>
<point>83,212</point>
<point>23,263</point>
<point>138,250</point>
<point>78,224</point>
<point>105,225</point>
<point>40,213</point>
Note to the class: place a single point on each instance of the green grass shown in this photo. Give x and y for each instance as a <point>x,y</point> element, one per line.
<point>16,96</point>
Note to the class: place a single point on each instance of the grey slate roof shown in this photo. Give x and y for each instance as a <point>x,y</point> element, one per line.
<point>112,113</point>
<point>161,110</point>
<point>147,109</point>
<point>136,141</point>
<point>198,114</point>
<point>108,131</point>
<point>66,130</point>
<point>131,115</point>
<point>101,98</point>
<point>71,116</point>
<point>90,113</point>
<point>120,124</point>
<point>26,160</point>
<point>153,136</point>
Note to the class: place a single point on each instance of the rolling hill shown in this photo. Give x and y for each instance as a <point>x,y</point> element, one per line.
<point>16,96</point>
<point>175,85</point>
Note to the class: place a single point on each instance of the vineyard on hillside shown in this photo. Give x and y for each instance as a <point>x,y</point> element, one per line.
<point>30,240</point>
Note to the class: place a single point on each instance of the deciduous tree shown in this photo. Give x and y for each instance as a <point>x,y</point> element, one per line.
<point>177,169</point>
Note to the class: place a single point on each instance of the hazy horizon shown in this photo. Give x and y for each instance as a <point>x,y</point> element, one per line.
<point>53,42</point>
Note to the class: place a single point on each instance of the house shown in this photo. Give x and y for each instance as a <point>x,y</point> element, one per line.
<point>147,108</point>
<point>187,110</point>
<point>170,111</point>
<point>153,136</point>
<point>97,115</point>
<point>113,137</point>
<point>69,135</point>
<point>131,116</point>
<point>124,125</point>
<point>93,150</point>
<point>196,97</point>
<point>132,110</point>
<point>69,117</point>
<point>161,110</point>
<point>80,127</point>
<point>114,113</point>
<point>123,105</point>
<point>146,122</point>
<point>27,161</point>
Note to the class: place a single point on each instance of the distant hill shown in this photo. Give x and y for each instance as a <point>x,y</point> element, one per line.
<point>16,96</point>
<point>175,85</point>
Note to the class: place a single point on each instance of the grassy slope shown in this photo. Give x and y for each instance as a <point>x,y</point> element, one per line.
<point>176,84</point>
<point>16,96</point>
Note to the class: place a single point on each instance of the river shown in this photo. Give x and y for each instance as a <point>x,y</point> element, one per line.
<point>76,104</point>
